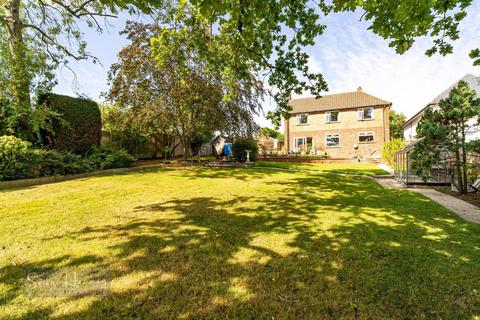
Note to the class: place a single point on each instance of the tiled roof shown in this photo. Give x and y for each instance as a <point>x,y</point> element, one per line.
<point>337,101</point>
<point>473,82</point>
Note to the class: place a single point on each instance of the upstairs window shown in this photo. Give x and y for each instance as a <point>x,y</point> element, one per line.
<point>477,80</point>
<point>331,116</point>
<point>365,113</point>
<point>366,137</point>
<point>302,118</point>
<point>333,140</point>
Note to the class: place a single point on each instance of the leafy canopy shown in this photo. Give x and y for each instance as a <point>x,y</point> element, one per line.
<point>178,98</point>
<point>266,40</point>
<point>396,122</point>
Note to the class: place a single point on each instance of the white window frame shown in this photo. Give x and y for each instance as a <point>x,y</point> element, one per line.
<point>361,113</point>
<point>299,116</point>
<point>366,133</point>
<point>328,116</point>
<point>332,134</point>
<point>305,143</point>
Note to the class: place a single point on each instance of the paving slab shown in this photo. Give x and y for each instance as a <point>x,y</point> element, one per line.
<point>389,183</point>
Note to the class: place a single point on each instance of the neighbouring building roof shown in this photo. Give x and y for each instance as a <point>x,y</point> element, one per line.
<point>337,101</point>
<point>473,82</point>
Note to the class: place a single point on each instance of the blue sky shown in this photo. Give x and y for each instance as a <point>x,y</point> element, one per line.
<point>347,54</point>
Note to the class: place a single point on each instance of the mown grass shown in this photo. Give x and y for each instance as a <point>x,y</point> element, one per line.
<point>245,243</point>
<point>369,169</point>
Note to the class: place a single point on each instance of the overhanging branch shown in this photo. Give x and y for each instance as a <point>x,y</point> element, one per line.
<point>46,38</point>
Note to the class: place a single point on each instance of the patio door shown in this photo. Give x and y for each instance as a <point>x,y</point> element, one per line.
<point>303,144</point>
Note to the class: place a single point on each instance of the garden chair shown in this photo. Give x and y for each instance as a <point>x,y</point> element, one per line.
<point>476,185</point>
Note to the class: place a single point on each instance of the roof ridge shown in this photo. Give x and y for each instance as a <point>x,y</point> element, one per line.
<point>340,93</point>
<point>371,95</point>
<point>330,94</point>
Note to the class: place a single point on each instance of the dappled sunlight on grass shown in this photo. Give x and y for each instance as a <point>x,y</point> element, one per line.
<point>241,243</point>
<point>368,169</point>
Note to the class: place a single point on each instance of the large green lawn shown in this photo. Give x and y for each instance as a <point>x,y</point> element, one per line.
<point>244,243</point>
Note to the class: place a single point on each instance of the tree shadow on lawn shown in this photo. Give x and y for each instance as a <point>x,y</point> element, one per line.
<point>327,246</point>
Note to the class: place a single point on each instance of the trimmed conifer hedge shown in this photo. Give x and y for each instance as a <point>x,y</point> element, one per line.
<point>80,126</point>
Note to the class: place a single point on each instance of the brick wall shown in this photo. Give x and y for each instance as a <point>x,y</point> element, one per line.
<point>348,127</point>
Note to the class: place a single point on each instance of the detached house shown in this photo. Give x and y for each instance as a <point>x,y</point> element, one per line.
<point>343,126</point>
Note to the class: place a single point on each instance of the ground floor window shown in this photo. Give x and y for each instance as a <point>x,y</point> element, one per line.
<point>303,144</point>
<point>366,137</point>
<point>333,140</point>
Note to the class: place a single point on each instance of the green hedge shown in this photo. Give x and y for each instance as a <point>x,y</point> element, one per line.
<point>80,126</point>
<point>240,145</point>
<point>18,160</point>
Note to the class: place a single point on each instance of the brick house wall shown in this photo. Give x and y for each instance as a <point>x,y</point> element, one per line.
<point>348,127</point>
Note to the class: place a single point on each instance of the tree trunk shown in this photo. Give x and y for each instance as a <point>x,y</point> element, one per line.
<point>186,147</point>
<point>20,82</point>
<point>464,163</point>
<point>459,172</point>
<point>155,149</point>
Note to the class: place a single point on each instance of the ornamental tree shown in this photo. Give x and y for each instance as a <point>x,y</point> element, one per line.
<point>177,99</point>
<point>396,122</point>
<point>444,132</point>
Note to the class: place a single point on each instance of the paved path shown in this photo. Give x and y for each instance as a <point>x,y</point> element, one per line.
<point>389,183</point>
<point>462,208</point>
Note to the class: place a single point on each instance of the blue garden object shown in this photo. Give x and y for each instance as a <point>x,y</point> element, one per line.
<point>227,149</point>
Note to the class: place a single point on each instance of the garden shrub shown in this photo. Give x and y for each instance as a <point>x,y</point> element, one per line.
<point>80,126</point>
<point>13,152</point>
<point>390,148</point>
<point>106,158</point>
<point>18,160</point>
<point>240,145</point>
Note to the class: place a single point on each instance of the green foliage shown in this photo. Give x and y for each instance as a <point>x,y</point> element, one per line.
<point>36,37</point>
<point>125,129</point>
<point>443,134</point>
<point>252,39</point>
<point>199,140</point>
<point>19,160</point>
<point>80,126</point>
<point>271,133</point>
<point>175,101</point>
<point>12,151</point>
<point>396,122</point>
<point>240,145</point>
<point>474,145</point>
<point>475,55</point>
<point>390,148</point>
<point>106,158</point>
<point>244,41</point>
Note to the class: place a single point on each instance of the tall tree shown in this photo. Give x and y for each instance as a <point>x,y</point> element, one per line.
<point>444,133</point>
<point>396,122</point>
<point>180,96</point>
<point>49,30</point>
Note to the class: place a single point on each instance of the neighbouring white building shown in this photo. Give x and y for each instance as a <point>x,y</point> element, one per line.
<point>410,126</point>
